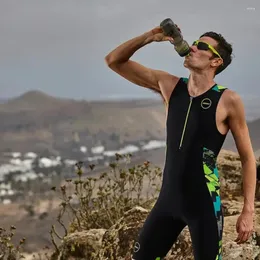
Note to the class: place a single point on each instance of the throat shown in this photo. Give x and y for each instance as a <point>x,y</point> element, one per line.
<point>198,85</point>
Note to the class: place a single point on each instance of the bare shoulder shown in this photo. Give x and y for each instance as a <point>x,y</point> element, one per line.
<point>232,101</point>
<point>167,83</point>
<point>238,125</point>
<point>231,96</point>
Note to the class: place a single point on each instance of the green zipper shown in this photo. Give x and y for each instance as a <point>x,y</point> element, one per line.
<point>185,123</point>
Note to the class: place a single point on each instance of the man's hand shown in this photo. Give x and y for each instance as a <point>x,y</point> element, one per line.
<point>244,227</point>
<point>156,35</point>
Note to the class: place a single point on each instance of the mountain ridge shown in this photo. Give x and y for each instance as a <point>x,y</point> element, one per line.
<point>37,121</point>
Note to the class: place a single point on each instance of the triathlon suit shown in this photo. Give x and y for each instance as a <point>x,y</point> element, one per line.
<point>189,194</point>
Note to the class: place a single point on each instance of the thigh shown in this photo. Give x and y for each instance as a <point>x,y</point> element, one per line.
<point>157,236</point>
<point>206,236</point>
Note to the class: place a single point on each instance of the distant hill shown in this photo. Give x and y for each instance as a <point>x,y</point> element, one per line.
<point>34,100</point>
<point>37,122</point>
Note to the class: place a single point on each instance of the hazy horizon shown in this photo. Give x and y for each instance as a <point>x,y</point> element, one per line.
<point>59,47</point>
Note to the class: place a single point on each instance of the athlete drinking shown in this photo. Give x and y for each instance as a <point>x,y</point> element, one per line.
<point>199,115</point>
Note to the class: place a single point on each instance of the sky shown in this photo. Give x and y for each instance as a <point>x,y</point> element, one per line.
<point>58,47</point>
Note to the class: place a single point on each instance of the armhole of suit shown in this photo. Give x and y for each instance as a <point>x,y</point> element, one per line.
<point>215,112</point>
<point>179,83</point>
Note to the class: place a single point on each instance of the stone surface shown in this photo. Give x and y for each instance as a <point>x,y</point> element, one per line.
<point>120,238</point>
<point>81,245</point>
<point>117,242</point>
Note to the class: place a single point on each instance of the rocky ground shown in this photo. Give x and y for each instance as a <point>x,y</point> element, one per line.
<point>117,242</point>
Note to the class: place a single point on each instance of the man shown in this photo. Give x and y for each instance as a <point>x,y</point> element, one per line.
<point>199,115</point>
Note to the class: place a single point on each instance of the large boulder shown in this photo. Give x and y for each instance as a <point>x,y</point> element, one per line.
<point>117,242</point>
<point>229,166</point>
<point>81,245</point>
<point>120,237</point>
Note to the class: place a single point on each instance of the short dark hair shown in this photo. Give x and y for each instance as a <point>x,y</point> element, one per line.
<point>224,49</point>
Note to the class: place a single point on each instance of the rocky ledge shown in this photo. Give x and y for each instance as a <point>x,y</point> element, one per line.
<point>117,242</point>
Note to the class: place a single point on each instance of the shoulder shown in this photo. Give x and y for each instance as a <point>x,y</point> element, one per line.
<point>231,97</point>
<point>166,77</point>
<point>167,83</point>
<point>233,101</point>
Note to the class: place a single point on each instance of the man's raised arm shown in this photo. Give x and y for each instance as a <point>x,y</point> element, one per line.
<point>119,61</point>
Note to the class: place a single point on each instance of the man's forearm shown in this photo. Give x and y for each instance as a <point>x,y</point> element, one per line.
<point>249,184</point>
<point>124,51</point>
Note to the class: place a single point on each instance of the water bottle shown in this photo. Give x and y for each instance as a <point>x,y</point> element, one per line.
<point>171,30</point>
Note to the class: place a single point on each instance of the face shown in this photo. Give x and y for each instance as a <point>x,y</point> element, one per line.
<point>202,60</point>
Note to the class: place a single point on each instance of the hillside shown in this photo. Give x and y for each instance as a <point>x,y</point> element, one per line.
<point>38,122</point>
<point>33,100</point>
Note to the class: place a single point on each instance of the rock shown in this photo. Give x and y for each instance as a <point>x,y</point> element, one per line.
<point>120,237</point>
<point>81,245</point>
<point>229,167</point>
<point>117,242</point>
<point>232,250</point>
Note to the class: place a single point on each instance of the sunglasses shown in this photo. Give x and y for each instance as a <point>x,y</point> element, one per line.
<point>205,47</point>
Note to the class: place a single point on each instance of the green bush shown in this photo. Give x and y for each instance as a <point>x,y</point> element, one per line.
<point>103,199</point>
<point>8,250</point>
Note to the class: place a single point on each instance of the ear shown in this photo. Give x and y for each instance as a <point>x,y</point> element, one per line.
<point>216,62</point>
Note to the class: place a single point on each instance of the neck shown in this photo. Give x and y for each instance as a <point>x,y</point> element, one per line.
<point>199,83</point>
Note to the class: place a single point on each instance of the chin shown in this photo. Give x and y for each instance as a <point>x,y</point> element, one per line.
<point>186,64</point>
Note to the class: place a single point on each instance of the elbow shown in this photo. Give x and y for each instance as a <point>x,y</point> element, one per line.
<point>109,60</point>
<point>114,61</point>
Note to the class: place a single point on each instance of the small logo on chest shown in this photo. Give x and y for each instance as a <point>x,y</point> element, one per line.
<point>206,103</point>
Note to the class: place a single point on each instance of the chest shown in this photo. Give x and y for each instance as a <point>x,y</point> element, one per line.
<point>197,113</point>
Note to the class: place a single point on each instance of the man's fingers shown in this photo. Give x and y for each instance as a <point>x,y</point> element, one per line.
<point>169,39</point>
<point>243,236</point>
<point>237,227</point>
<point>156,30</point>
<point>248,235</point>
<point>244,227</point>
<point>238,239</point>
<point>240,232</point>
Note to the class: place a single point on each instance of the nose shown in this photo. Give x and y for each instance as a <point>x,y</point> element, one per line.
<point>193,48</point>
